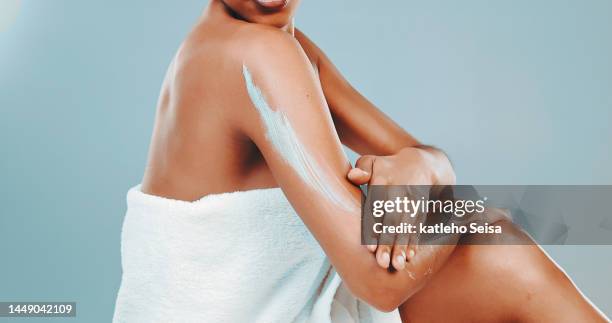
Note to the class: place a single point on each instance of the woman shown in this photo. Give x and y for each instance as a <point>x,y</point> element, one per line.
<point>250,105</point>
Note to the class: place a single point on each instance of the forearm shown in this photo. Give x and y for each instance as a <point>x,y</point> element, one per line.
<point>421,165</point>
<point>383,288</point>
<point>290,124</point>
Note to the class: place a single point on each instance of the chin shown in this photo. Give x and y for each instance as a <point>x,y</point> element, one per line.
<point>252,11</point>
<point>277,22</point>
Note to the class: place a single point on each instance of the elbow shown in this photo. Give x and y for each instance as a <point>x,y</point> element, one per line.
<point>384,300</point>
<point>386,306</point>
<point>383,297</point>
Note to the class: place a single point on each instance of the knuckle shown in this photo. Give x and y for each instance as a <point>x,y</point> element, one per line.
<point>383,162</point>
<point>363,159</point>
<point>377,179</point>
<point>401,245</point>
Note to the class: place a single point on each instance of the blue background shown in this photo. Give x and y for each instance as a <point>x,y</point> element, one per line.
<point>517,92</point>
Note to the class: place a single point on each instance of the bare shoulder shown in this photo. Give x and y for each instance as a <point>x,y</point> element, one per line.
<point>220,54</point>
<point>312,50</point>
<point>269,48</point>
<point>207,79</point>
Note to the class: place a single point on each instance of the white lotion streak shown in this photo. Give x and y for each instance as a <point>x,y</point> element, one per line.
<point>283,138</point>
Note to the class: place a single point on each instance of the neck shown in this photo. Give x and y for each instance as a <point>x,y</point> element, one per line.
<point>218,9</point>
<point>290,27</point>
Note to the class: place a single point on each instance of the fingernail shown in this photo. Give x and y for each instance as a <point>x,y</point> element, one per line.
<point>401,261</point>
<point>371,247</point>
<point>361,171</point>
<point>410,254</point>
<point>384,260</point>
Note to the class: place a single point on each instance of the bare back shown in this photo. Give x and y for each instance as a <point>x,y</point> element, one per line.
<point>196,148</point>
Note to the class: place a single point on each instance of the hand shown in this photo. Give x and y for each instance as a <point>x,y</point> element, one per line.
<point>410,166</point>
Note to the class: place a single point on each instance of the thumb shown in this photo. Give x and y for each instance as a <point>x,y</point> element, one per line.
<point>362,173</point>
<point>358,176</point>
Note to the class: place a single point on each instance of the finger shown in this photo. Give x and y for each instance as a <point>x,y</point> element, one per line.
<point>424,193</point>
<point>399,252</point>
<point>386,240</point>
<point>369,220</point>
<point>372,241</point>
<point>366,163</point>
<point>358,176</point>
<point>413,238</point>
<point>411,252</point>
<point>383,256</point>
<point>412,245</point>
<point>372,247</point>
<point>402,240</point>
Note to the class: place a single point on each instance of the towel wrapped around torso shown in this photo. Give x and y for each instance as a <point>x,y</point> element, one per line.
<point>233,257</point>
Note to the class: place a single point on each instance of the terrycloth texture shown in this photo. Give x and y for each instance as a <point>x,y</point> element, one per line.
<point>232,257</point>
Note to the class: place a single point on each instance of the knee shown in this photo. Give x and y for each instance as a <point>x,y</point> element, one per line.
<point>517,279</point>
<point>520,269</point>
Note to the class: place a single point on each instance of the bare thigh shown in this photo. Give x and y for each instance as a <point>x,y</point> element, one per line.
<point>499,283</point>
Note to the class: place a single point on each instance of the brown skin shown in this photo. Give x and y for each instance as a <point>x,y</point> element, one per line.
<point>280,15</point>
<point>499,283</point>
<point>209,139</point>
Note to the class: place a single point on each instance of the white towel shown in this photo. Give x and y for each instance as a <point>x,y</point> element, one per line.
<point>232,257</point>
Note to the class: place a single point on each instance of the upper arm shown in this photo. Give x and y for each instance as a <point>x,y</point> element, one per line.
<point>286,116</point>
<point>293,127</point>
<point>360,124</point>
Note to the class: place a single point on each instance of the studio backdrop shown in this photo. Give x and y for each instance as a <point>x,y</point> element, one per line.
<point>516,92</point>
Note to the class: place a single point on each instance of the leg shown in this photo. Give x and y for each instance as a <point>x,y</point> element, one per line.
<point>499,283</point>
